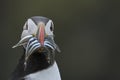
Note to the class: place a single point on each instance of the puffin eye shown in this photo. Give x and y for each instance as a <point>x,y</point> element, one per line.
<point>51,28</point>
<point>25,26</point>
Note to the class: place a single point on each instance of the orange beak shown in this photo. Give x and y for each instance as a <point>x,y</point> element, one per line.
<point>41,34</point>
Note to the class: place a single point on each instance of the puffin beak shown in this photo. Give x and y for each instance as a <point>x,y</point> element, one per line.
<point>41,35</point>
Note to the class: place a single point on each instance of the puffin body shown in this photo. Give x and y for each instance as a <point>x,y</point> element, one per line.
<point>38,59</point>
<point>51,73</point>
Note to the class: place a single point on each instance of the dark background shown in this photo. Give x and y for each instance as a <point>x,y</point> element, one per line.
<point>87,32</point>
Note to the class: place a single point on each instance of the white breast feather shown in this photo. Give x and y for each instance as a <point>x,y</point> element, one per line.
<point>52,73</point>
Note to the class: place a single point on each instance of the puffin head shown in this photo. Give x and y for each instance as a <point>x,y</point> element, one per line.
<point>37,35</point>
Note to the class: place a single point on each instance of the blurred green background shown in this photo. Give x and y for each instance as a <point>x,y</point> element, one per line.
<point>87,32</point>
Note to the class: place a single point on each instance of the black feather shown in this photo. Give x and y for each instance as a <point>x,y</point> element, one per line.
<point>36,62</point>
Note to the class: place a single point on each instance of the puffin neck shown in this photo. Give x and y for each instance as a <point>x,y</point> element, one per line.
<point>39,61</point>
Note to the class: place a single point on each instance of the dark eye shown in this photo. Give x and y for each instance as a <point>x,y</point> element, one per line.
<point>51,28</point>
<point>26,26</point>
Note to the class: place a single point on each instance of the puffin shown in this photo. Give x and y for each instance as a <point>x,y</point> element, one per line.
<point>39,48</point>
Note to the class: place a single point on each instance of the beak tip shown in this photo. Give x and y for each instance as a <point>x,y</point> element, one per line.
<point>42,44</point>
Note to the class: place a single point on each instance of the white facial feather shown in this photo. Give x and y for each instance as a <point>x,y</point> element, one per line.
<point>47,28</point>
<point>30,28</point>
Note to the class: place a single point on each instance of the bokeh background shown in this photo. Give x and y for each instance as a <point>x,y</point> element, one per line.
<point>87,32</point>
